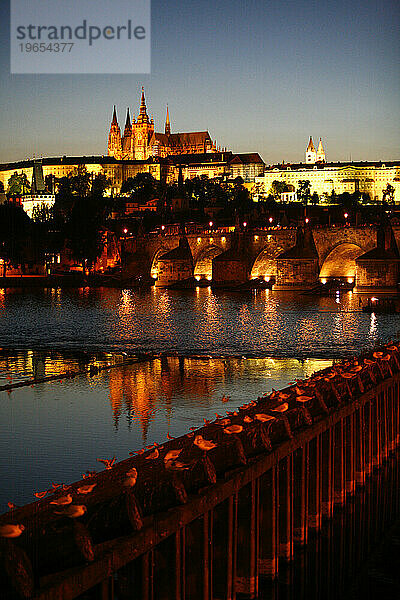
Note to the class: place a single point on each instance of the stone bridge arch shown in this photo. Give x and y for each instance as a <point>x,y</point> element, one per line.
<point>341,261</point>
<point>328,238</point>
<point>154,261</point>
<point>203,264</point>
<point>265,263</point>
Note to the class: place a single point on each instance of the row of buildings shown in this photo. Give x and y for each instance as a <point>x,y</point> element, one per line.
<point>141,149</point>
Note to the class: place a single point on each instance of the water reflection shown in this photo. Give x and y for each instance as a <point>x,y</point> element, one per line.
<point>200,321</point>
<point>115,411</point>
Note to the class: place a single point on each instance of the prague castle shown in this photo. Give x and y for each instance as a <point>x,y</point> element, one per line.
<point>140,142</point>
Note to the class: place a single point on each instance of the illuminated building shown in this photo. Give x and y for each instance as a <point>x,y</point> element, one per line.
<point>140,141</point>
<point>327,177</point>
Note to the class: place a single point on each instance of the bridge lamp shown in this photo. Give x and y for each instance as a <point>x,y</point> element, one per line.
<point>162,227</point>
<point>307,220</point>
<point>345,215</point>
<point>211,223</point>
<point>270,219</point>
<point>125,230</point>
<point>245,224</point>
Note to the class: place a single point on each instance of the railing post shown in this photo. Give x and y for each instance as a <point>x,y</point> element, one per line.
<point>223,559</point>
<point>375,431</point>
<point>339,489</point>
<point>368,438</point>
<point>314,484</point>
<point>286,508</point>
<point>247,546</point>
<point>268,554</point>
<point>349,454</point>
<point>300,495</point>
<point>327,473</point>
<point>359,469</point>
<point>196,568</point>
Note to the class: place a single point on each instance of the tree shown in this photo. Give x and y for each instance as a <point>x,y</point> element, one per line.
<point>143,187</point>
<point>388,194</point>
<point>85,229</point>
<point>18,185</point>
<point>42,213</point>
<point>100,184</point>
<point>80,181</point>
<point>14,234</point>
<point>303,191</point>
<point>277,188</point>
<point>314,198</point>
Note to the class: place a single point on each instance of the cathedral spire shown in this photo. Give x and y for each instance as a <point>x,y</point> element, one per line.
<point>128,120</point>
<point>311,155</point>
<point>320,152</point>
<point>310,147</point>
<point>114,119</point>
<point>167,124</point>
<point>143,109</point>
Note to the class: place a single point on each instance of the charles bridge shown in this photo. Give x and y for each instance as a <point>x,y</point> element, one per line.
<point>294,258</point>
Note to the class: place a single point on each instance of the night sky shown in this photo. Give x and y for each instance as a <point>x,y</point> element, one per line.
<point>259,75</point>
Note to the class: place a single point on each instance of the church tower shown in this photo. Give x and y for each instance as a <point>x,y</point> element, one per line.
<point>321,152</point>
<point>143,131</point>
<point>311,155</point>
<point>167,124</point>
<point>114,138</point>
<point>127,151</point>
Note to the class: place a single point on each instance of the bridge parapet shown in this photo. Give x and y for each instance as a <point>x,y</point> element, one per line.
<point>264,474</point>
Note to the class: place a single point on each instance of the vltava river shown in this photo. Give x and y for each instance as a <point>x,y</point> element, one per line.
<point>261,323</point>
<point>205,353</point>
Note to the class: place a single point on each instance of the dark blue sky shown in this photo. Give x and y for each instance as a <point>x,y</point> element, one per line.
<point>260,75</point>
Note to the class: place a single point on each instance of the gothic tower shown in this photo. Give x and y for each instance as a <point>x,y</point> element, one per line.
<point>311,155</point>
<point>320,152</point>
<point>167,124</point>
<point>114,138</point>
<point>142,131</point>
<point>127,140</point>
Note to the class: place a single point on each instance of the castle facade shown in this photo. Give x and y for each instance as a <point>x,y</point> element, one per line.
<point>370,177</point>
<point>140,141</point>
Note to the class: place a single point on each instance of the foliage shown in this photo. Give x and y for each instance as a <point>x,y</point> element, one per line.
<point>14,233</point>
<point>314,198</point>
<point>142,188</point>
<point>303,191</point>
<point>18,185</point>
<point>277,188</point>
<point>100,184</point>
<point>84,229</point>
<point>80,181</point>
<point>388,194</point>
<point>42,213</point>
